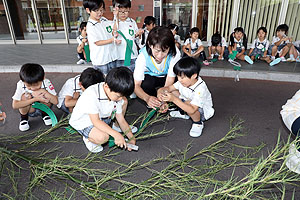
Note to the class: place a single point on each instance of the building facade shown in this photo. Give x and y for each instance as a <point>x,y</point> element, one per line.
<point>57,21</point>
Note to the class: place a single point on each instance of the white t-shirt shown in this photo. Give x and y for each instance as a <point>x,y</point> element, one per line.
<point>129,28</point>
<point>21,89</point>
<point>194,45</point>
<point>177,38</point>
<point>146,32</point>
<point>68,89</point>
<point>276,39</point>
<point>199,95</point>
<point>223,42</point>
<point>291,110</point>
<point>141,68</point>
<point>260,45</point>
<point>101,55</point>
<point>91,102</point>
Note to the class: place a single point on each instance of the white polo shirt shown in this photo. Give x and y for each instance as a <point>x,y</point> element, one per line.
<point>68,89</point>
<point>141,68</point>
<point>260,45</point>
<point>101,55</point>
<point>199,95</point>
<point>93,101</point>
<point>291,110</point>
<point>129,28</point>
<point>223,42</point>
<point>21,89</point>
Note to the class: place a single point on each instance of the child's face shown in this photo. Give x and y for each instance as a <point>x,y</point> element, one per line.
<point>195,35</point>
<point>280,34</point>
<point>33,86</point>
<point>186,81</point>
<point>238,35</point>
<point>123,13</point>
<point>261,35</point>
<point>158,53</point>
<point>150,26</point>
<point>114,96</point>
<point>96,14</point>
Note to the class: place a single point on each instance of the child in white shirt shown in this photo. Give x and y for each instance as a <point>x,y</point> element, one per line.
<point>217,47</point>
<point>149,24</point>
<point>193,46</point>
<point>174,28</point>
<point>101,103</point>
<point>82,42</point>
<point>101,41</point>
<point>128,31</point>
<point>190,94</point>
<point>73,88</point>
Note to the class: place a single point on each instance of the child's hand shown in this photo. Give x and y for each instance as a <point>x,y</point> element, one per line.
<point>39,95</point>
<point>120,141</point>
<point>160,93</point>
<point>76,95</point>
<point>132,141</point>
<point>2,116</point>
<point>117,41</point>
<point>220,57</point>
<point>116,10</point>
<point>140,32</point>
<point>163,108</point>
<point>167,96</point>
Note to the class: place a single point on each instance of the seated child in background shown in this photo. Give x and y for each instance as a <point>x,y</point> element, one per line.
<point>174,28</point>
<point>238,42</point>
<point>193,46</point>
<point>259,48</point>
<point>217,47</point>
<point>73,88</point>
<point>82,41</point>
<point>190,94</point>
<point>296,50</point>
<point>98,105</point>
<point>281,44</point>
<point>149,24</point>
<point>33,87</point>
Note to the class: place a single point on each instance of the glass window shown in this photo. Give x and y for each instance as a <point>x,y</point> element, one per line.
<point>51,21</point>
<point>4,30</point>
<point>180,13</point>
<point>75,15</point>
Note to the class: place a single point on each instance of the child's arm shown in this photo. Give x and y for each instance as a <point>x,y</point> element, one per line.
<point>105,42</point>
<point>50,97</point>
<point>125,128</point>
<point>222,52</point>
<point>186,106</point>
<point>209,51</point>
<point>16,104</point>
<point>186,49</point>
<point>250,51</point>
<point>163,90</point>
<point>200,48</point>
<point>242,53</point>
<point>71,101</point>
<point>100,125</point>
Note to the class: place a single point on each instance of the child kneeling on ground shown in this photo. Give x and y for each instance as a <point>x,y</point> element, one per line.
<point>101,103</point>
<point>33,87</point>
<point>190,94</point>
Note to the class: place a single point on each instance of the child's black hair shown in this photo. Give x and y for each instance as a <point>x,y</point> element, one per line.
<point>32,73</point>
<point>93,5</point>
<point>90,76</point>
<point>122,3</point>
<point>82,25</point>
<point>216,39</point>
<point>193,30</point>
<point>163,37</point>
<point>245,40</point>
<point>120,80</point>
<point>147,21</point>
<point>283,27</point>
<point>264,29</point>
<point>187,66</point>
<point>173,26</point>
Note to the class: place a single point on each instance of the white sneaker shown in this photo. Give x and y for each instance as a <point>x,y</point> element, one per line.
<point>47,120</point>
<point>293,159</point>
<point>24,125</point>
<point>283,59</point>
<point>116,128</point>
<point>291,59</point>
<point>81,61</point>
<point>133,96</point>
<point>196,130</point>
<point>94,148</point>
<point>177,114</point>
<point>248,60</point>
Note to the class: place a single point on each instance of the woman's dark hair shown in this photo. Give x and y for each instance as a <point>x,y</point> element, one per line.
<point>173,26</point>
<point>163,37</point>
<point>122,3</point>
<point>187,66</point>
<point>147,21</point>
<point>32,73</point>
<point>93,5</point>
<point>120,80</point>
<point>216,39</point>
<point>245,40</point>
<point>91,76</point>
<point>264,29</point>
